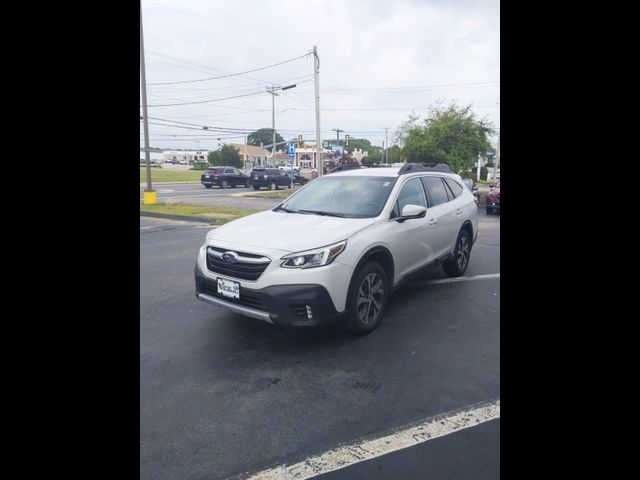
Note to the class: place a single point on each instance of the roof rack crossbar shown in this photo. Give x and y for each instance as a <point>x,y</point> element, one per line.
<point>424,167</point>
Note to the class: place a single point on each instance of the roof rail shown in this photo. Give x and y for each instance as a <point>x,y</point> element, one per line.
<point>424,167</point>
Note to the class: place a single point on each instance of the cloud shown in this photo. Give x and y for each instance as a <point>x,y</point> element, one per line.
<point>362,45</point>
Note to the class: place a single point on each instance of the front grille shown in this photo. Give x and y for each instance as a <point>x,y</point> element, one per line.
<point>248,267</point>
<point>246,299</point>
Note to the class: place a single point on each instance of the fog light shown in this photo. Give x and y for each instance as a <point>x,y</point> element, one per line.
<point>309,314</point>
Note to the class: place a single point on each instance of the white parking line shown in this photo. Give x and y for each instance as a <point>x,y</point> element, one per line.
<point>457,279</point>
<point>406,437</point>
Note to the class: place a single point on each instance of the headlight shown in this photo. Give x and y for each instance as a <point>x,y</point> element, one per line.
<point>314,258</point>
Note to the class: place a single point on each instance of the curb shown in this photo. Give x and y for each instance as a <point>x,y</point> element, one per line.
<point>172,183</point>
<point>177,217</point>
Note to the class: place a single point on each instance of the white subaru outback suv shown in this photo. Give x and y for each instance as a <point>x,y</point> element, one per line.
<point>338,247</point>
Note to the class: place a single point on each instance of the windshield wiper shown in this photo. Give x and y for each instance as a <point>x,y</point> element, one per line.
<point>285,209</point>
<point>327,214</point>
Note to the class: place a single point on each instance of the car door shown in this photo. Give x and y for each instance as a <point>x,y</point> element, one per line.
<point>413,236</point>
<point>237,177</point>
<point>441,215</point>
<point>284,180</point>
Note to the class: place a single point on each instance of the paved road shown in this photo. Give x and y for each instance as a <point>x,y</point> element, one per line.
<point>222,394</point>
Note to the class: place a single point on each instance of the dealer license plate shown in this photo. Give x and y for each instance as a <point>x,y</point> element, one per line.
<point>228,288</point>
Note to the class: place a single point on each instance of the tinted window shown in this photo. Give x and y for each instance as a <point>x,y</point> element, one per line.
<point>436,189</point>
<point>215,170</point>
<point>412,193</point>
<point>228,170</point>
<point>455,187</point>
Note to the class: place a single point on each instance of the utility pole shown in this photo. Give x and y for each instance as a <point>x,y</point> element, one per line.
<point>316,74</point>
<point>497,159</point>
<point>386,142</point>
<point>149,195</point>
<point>272,91</point>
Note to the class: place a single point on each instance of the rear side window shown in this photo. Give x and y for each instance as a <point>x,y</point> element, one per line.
<point>455,187</point>
<point>215,170</point>
<point>228,170</point>
<point>436,189</point>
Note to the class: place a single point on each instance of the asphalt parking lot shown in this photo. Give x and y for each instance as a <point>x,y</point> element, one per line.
<point>222,395</point>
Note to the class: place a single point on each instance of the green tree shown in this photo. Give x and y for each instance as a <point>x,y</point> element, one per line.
<point>358,143</point>
<point>451,135</point>
<point>226,156</point>
<point>264,135</point>
<point>214,158</point>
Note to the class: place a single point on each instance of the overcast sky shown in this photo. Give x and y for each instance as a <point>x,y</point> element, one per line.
<point>379,61</point>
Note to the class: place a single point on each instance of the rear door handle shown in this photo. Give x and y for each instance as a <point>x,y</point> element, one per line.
<point>433,221</point>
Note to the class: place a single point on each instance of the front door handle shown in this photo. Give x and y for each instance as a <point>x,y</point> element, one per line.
<point>433,221</point>
<point>458,211</point>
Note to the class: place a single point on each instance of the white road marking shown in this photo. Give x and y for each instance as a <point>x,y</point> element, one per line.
<point>406,437</point>
<point>457,279</point>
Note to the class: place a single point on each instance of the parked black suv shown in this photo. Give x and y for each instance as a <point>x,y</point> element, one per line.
<point>271,178</point>
<point>224,177</point>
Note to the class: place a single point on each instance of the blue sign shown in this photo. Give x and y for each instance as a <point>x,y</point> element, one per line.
<point>291,148</point>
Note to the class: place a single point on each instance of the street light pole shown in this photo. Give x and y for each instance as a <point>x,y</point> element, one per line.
<point>273,93</point>
<point>149,194</point>
<point>386,142</point>
<point>316,79</point>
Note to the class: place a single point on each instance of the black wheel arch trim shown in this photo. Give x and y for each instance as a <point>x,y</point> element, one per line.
<point>389,269</point>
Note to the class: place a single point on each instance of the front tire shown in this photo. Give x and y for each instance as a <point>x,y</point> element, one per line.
<point>367,298</point>
<point>246,184</point>
<point>255,187</point>
<point>273,186</point>
<point>207,186</point>
<point>457,265</point>
<point>489,210</point>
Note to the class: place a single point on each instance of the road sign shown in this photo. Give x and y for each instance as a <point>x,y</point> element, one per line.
<point>291,148</point>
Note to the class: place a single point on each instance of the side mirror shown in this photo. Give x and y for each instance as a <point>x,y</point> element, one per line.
<point>412,211</point>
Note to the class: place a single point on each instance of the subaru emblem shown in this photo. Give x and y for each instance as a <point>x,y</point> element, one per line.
<point>230,257</point>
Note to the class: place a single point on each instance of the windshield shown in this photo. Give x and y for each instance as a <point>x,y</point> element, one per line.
<point>342,196</point>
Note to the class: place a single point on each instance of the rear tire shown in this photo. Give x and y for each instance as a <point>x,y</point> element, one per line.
<point>255,187</point>
<point>273,186</point>
<point>367,298</point>
<point>247,184</point>
<point>457,265</point>
<point>489,210</point>
<point>224,184</point>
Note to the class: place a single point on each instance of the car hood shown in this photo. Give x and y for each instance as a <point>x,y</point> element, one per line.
<point>287,232</point>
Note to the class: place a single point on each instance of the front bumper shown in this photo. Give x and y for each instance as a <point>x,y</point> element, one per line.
<point>300,305</point>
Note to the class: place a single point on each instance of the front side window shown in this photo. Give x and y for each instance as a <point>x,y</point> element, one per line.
<point>412,193</point>
<point>437,192</point>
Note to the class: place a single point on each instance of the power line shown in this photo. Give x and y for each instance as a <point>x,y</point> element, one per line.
<point>232,74</point>
<point>221,130</point>
<point>205,101</point>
